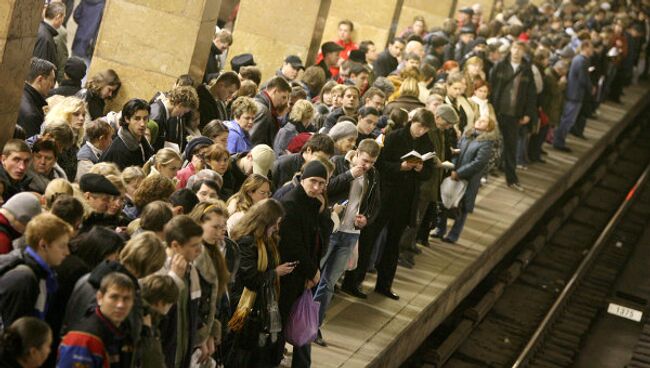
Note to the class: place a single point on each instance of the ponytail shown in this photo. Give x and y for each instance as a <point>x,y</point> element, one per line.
<point>25,333</point>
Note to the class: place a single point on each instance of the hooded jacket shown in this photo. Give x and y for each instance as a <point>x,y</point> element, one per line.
<point>26,286</point>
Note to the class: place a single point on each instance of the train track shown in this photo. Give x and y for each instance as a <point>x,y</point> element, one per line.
<point>538,308</point>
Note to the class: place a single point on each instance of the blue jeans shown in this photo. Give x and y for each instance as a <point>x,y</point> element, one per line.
<point>333,265</point>
<point>569,116</point>
<point>459,224</point>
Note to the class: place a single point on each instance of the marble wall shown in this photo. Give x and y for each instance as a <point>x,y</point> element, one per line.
<point>272,30</point>
<point>434,12</point>
<point>149,43</point>
<point>19,21</point>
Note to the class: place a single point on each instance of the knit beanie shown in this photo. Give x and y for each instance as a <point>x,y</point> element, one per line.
<point>23,206</point>
<point>314,169</point>
<point>342,130</point>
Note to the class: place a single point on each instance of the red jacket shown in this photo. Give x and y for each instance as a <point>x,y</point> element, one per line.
<point>7,235</point>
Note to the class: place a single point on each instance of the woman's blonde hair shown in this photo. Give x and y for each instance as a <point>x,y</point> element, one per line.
<point>105,168</point>
<point>163,157</point>
<point>54,189</point>
<point>301,110</point>
<point>132,173</point>
<point>144,254</point>
<point>242,201</point>
<point>409,87</point>
<point>64,110</point>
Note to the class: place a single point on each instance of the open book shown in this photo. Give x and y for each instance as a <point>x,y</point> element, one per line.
<point>415,156</point>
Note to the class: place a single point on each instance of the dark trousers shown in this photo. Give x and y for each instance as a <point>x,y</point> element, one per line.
<point>568,119</point>
<point>509,126</point>
<point>536,143</point>
<point>581,121</point>
<point>388,262</point>
<point>301,357</point>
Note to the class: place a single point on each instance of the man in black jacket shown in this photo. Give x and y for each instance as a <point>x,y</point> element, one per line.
<point>515,100</point>
<point>387,61</point>
<point>130,147</point>
<point>287,166</point>
<point>39,82</point>
<point>304,232</point>
<point>214,96</point>
<point>16,158</point>
<point>354,185</point>
<point>220,44</point>
<point>270,104</point>
<point>45,48</point>
<point>169,111</point>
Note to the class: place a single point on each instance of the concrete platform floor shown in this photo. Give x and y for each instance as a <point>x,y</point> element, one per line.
<point>380,332</point>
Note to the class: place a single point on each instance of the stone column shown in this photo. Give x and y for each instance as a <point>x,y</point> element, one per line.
<point>372,20</point>
<point>19,21</point>
<point>149,43</point>
<point>434,12</point>
<point>271,30</point>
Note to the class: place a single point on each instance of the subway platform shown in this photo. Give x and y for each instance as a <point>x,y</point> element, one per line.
<point>380,332</point>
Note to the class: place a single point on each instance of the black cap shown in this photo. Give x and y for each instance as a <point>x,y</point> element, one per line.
<point>95,183</point>
<point>195,143</point>
<point>75,68</point>
<point>467,10</point>
<point>242,60</point>
<point>358,56</point>
<point>331,47</point>
<point>295,62</point>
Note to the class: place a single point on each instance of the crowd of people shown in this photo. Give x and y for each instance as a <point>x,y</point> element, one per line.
<point>181,230</point>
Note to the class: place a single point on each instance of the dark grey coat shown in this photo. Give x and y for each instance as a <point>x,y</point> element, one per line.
<point>475,151</point>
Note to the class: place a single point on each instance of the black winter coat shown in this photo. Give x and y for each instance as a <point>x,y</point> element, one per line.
<point>31,115</point>
<point>95,103</point>
<point>209,108</point>
<point>385,64</point>
<point>19,286</point>
<point>170,129</point>
<point>304,233</point>
<point>66,88</point>
<point>526,93</point>
<point>45,47</point>
<point>266,126</point>
<point>119,153</point>
<point>400,189</point>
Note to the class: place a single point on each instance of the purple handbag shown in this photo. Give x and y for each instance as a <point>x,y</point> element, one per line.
<point>302,326</point>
